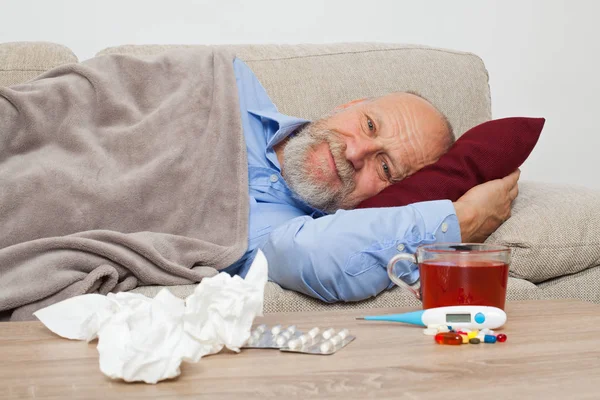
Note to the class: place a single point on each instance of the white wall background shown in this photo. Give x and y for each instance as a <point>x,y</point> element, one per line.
<point>543,56</point>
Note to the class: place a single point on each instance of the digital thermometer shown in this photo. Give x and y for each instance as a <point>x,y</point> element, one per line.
<point>469,317</point>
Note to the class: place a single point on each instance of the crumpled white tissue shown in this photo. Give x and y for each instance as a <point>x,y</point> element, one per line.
<point>144,339</point>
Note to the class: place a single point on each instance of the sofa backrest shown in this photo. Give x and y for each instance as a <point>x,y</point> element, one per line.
<point>310,80</point>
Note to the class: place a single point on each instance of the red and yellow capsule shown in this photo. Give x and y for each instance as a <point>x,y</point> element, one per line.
<point>451,338</point>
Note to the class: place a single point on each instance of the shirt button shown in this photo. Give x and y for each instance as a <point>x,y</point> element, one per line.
<point>444,227</point>
<point>400,247</point>
<point>274,178</point>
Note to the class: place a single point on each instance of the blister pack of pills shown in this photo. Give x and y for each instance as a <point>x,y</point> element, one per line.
<point>291,340</point>
<point>315,342</point>
<point>264,338</point>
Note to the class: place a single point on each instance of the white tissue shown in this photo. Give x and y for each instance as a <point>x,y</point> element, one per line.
<point>143,339</point>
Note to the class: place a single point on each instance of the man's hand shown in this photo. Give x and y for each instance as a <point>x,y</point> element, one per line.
<point>485,207</point>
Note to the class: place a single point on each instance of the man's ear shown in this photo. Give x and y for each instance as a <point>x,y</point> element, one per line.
<point>349,104</point>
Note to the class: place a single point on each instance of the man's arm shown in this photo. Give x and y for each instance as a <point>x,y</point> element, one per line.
<point>343,256</point>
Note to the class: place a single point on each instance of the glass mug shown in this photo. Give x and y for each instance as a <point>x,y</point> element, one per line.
<point>454,274</point>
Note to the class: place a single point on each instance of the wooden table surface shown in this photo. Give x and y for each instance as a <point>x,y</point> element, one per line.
<point>552,352</point>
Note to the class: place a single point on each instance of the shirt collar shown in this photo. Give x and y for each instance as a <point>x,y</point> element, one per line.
<point>286,124</point>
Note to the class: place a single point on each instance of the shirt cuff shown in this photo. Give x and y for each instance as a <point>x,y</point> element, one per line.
<point>445,229</point>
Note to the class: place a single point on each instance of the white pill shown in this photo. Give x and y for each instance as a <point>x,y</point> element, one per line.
<point>305,339</point>
<point>336,340</point>
<point>294,344</point>
<point>326,347</point>
<point>261,328</point>
<point>430,331</point>
<point>291,328</point>
<point>276,329</point>
<point>281,340</point>
<point>256,334</point>
<point>443,328</point>
<point>328,333</point>
<point>343,333</point>
<point>251,341</point>
<point>314,332</point>
<point>434,326</point>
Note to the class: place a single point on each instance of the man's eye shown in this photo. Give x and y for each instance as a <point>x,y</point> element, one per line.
<point>370,124</point>
<point>386,169</point>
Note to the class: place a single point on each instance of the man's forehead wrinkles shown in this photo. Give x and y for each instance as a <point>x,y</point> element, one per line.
<point>415,143</point>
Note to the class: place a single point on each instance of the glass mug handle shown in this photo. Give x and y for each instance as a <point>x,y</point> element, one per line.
<point>390,270</point>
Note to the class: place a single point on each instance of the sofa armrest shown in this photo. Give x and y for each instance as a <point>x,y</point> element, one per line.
<point>23,61</point>
<point>554,231</point>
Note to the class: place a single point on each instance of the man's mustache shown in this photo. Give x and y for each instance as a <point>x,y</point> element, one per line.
<point>345,169</point>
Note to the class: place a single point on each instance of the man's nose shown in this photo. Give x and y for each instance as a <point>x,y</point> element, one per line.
<point>359,149</point>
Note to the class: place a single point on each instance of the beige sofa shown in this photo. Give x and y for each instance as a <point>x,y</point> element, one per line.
<point>554,231</point>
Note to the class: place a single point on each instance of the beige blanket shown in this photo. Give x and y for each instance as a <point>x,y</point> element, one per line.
<point>118,172</point>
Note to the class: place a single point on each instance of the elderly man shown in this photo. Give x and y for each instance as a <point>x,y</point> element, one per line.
<point>121,171</point>
<point>305,178</point>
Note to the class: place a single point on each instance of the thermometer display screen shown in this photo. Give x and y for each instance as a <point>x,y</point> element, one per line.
<point>458,317</point>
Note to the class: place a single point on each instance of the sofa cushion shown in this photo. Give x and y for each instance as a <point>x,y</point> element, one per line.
<point>23,61</point>
<point>311,80</point>
<point>486,152</point>
<point>584,285</point>
<point>554,231</point>
<point>278,299</point>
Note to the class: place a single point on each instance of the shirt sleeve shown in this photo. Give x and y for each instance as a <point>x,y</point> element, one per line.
<point>343,256</point>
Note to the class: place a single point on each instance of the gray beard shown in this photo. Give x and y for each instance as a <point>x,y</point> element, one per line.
<point>298,174</point>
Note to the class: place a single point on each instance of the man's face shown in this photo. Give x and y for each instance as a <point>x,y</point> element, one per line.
<point>341,160</point>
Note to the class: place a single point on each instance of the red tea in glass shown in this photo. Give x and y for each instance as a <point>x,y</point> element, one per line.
<point>469,282</point>
<point>454,274</point>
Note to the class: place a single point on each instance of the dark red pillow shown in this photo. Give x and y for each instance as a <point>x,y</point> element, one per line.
<point>488,151</point>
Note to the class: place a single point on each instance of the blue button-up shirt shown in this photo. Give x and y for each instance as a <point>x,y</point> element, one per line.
<point>342,256</point>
